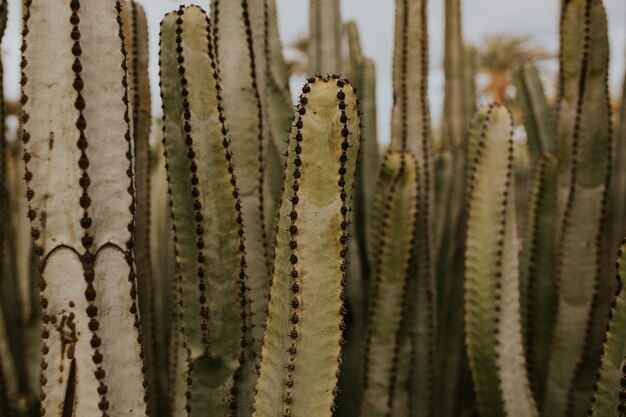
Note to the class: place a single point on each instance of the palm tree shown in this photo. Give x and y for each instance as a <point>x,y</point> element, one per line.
<point>499,54</point>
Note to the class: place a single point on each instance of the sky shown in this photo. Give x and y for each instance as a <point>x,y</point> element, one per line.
<point>537,19</point>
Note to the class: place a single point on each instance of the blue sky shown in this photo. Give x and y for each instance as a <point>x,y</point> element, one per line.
<point>535,18</point>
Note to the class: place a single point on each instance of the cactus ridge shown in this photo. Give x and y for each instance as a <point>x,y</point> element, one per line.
<point>608,391</point>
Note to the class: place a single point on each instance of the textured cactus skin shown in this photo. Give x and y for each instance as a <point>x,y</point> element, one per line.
<point>325,37</point>
<point>389,281</point>
<point>206,217</point>
<point>492,304</point>
<point>243,108</point>
<point>608,399</point>
<point>135,27</point>
<point>300,361</point>
<point>81,217</point>
<point>537,270</point>
<point>583,146</point>
<point>411,132</point>
<point>538,118</point>
<point>450,234</point>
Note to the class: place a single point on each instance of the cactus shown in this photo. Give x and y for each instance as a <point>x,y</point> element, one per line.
<point>608,398</point>
<point>301,348</point>
<point>537,115</point>
<point>81,215</point>
<point>451,222</point>
<point>243,107</point>
<point>325,51</point>
<point>392,270</point>
<point>583,146</point>
<point>492,299</point>
<point>135,27</point>
<point>411,132</point>
<point>206,218</point>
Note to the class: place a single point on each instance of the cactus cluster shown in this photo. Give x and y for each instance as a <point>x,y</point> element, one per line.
<point>253,258</point>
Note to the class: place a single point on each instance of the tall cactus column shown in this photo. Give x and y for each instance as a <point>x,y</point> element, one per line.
<point>325,51</point>
<point>81,203</point>
<point>206,218</point>
<point>302,343</point>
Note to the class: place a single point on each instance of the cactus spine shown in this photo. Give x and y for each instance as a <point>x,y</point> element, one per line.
<point>300,361</point>
<point>492,299</point>
<point>583,144</point>
<point>81,216</point>
<point>206,218</point>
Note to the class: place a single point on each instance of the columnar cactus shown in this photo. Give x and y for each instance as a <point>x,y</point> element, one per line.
<point>583,147</point>
<point>302,344</point>
<point>608,398</point>
<point>538,260</point>
<point>135,27</point>
<point>81,203</point>
<point>388,310</point>
<point>411,132</point>
<point>206,218</point>
<point>325,37</point>
<point>240,65</point>
<point>493,325</point>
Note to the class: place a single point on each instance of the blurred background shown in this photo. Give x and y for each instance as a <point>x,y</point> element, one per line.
<point>505,31</point>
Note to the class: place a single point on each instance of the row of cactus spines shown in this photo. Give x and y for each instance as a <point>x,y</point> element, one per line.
<point>92,359</point>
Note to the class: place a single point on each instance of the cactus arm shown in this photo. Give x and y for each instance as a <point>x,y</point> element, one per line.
<point>391,278</point>
<point>492,305</point>
<point>205,216</point>
<point>537,115</point>
<point>584,116</point>
<point>300,360</point>
<point>537,269</point>
<point>608,398</point>
<point>79,206</point>
<point>325,51</point>
<point>470,80</point>
<point>234,45</point>
<point>135,27</point>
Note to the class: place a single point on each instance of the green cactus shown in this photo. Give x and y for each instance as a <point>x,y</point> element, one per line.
<point>608,398</point>
<point>81,201</point>
<point>537,114</point>
<point>583,147</point>
<point>537,270</point>
<point>301,349</point>
<point>451,222</point>
<point>411,132</point>
<point>325,37</point>
<point>206,218</point>
<point>135,28</point>
<point>392,270</point>
<point>492,300</point>
<point>240,66</point>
